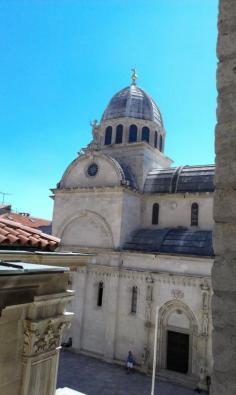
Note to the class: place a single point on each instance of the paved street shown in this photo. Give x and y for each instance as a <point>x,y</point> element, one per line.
<point>93,377</point>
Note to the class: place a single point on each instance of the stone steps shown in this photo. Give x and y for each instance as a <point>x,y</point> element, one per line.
<point>177,378</point>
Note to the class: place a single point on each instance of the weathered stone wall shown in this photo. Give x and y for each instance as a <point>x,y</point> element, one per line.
<point>175,210</point>
<point>224,270</point>
<point>32,319</point>
<point>180,286</point>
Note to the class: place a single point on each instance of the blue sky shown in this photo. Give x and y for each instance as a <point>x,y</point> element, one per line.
<point>62,60</point>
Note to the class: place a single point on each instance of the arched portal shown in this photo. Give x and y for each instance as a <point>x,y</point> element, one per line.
<point>177,337</point>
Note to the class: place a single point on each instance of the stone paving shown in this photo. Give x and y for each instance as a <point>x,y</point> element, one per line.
<point>93,377</point>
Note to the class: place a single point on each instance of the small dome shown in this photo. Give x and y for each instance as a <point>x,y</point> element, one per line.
<point>132,102</point>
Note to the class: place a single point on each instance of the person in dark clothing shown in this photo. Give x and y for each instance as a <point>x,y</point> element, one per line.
<point>130,362</point>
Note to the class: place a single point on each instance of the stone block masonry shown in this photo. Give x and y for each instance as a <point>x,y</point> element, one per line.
<point>224,269</point>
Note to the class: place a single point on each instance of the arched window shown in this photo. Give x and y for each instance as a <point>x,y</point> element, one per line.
<point>134,300</point>
<point>108,135</point>
<point>194,214</point>
<point>100,294</point>
<point>155,139</point>
<point>155,214</point>
<point>160,143</point>
<point>133,131</point>
<point>119,134</point>
<point>145,134</point>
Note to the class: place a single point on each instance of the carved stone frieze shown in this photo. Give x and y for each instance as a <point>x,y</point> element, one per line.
<point>177,294</point>
<point>43,336</point>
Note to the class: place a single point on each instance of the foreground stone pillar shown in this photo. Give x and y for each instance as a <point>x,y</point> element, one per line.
<point>42,339</point>
<point>224,270</point>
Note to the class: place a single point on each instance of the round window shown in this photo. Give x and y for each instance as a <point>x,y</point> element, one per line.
<point>92,170</point>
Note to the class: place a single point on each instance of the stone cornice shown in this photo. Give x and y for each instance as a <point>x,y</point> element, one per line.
<point>162,277</point>
<point>98,189</point>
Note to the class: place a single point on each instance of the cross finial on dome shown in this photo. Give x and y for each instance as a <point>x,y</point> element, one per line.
<point>134,76</point>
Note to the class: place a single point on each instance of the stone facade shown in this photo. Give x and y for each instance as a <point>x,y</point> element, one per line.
<point>224,273</point>
<point>104,197</point>
<point>32,319</point>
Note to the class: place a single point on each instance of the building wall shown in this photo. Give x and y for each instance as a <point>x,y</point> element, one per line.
<point>175,210</point>
<point>140,158</point>
<point>79,222</point>
<point>11,334</point>
<point>32,318</point>
<point>224,273</point>
<point>111,330</point>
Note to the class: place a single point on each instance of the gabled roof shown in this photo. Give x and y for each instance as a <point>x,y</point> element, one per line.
<point>180,241</point>
<point>181,179</point>
<point>15,235</point>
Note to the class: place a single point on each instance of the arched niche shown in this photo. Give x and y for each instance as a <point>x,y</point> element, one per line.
<point>87,229</point>
<point>178,317</point>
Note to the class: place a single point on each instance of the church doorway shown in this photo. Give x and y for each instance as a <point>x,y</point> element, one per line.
<point>177,358</point>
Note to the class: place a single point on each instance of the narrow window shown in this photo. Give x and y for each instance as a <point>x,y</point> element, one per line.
<point>145,134</point>
<point>100,294</point>
<point>133,131</point>
<point>134,300</point>
<point>194,214</point>
<point>155,140</point>
<point>119,134</point>
<point>108,135</point>
<point>161,143</point>
<point>155,214</point>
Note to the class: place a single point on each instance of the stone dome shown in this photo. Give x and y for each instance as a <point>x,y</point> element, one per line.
<point>132,102</point>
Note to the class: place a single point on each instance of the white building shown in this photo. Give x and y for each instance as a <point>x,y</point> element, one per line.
<point>149,226</point>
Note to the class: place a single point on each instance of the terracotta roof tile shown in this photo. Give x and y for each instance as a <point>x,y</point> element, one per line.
<point>26,220</point>
<point>15,234</point>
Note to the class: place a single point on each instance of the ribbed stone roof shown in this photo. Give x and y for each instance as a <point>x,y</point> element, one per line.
<point>132,102</point>
<point>181,241</point>
<point>181,179</point>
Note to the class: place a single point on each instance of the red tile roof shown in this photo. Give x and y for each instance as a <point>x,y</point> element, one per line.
<point>26,220</point>
<point>14,234</point>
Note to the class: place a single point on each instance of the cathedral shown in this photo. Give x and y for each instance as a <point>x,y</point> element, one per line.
<point>146,228</point>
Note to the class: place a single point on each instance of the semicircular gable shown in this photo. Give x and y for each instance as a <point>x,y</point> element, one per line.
<point>87,229</point>
<point>108,172</point>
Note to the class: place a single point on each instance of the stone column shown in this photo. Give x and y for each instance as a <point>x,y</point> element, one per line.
<point>224,269</point>
<point>42,339</point>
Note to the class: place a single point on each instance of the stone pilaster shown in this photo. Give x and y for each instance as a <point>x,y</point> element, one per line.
<point>148,323</point>
<point>224,270</point>
<point>42,339</point>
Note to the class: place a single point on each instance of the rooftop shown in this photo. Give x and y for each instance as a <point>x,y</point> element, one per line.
<point>26,219</point>
<point>15,235</point>
<point>181,179</point>
<point>132,102</point>
<point>180,241</point>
